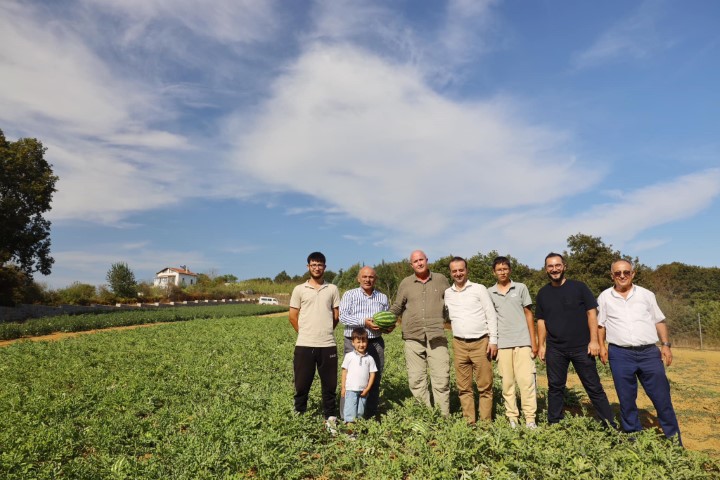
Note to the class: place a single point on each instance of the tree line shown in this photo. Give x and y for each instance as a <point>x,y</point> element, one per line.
<point>687,294</point>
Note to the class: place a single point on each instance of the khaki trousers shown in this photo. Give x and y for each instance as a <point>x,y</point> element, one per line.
<point>432,356</point>
<point>517,365</point>
<point>471,360</point>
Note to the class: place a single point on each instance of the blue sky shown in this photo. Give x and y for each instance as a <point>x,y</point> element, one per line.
<point>237,136</point>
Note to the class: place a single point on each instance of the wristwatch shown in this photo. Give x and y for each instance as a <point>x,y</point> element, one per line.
<point>666,344</point>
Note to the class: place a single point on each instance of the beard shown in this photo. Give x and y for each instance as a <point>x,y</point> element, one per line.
<point>560,278</point>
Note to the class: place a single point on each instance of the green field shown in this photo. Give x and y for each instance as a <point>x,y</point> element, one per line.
<point>213,399</point>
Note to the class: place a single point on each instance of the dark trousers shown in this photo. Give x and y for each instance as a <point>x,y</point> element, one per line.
<point>645,364</point>
<point>305,361</point>
<point>376,349</point>
<point>557,362</point>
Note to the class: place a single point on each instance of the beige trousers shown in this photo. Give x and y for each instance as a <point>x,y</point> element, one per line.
<point>430,356</point>
<point>517,365</point>
<point>471,360</point>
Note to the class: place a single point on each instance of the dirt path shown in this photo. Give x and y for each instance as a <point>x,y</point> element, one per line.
<point>63,335</point>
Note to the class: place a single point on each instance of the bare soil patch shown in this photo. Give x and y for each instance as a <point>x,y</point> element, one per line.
<point>695,387</point>
<point>64,335</point>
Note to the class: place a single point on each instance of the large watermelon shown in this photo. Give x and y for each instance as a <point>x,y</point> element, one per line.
<point>384,319</point>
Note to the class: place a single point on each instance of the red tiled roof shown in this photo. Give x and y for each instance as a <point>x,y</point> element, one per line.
<point>178,270</point>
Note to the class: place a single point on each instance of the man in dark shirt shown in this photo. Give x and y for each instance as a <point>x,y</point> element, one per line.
<point>568,332</point>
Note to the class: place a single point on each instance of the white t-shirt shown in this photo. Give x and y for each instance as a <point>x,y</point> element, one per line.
<point>358,370</point>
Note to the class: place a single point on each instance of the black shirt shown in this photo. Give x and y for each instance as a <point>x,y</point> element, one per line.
<point>564,310</point>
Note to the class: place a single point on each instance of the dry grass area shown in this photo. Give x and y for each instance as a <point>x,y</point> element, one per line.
<point>695,387</point>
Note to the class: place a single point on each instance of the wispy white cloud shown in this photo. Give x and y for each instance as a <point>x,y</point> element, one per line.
<point>634,37</point>
<point>621,222</point>
<point>360,132</point>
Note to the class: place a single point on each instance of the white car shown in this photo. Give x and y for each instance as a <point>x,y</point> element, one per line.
<point>268,301</point>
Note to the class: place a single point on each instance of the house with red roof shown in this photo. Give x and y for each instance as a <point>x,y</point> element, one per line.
<point>175,276</point>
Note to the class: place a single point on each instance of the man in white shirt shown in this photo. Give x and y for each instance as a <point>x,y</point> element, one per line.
<point>630,319</point>
<point>475,337</point>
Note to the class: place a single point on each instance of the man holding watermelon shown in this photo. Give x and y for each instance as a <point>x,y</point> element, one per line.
<point>420,301</point>
<point>357,308</point>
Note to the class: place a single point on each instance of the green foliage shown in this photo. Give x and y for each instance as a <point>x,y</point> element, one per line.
<point>27,185</point>
<point>121,318</point>
<point>345,280</point>
<point>213,399</point>
<point>17,287</point>
<point>76,294</point>
<point>122,280</point>
<point>589,261</point>
<point>282,277</point>
<point>227,278</point>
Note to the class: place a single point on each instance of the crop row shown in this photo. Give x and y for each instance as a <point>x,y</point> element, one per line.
<point>91,321</point>
<point>213,399</point>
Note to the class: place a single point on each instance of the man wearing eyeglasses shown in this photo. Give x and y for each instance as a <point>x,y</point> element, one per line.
<point>632,322</point>
<point>420,302</point>
<point>567,333</point>
<point>314,313</point>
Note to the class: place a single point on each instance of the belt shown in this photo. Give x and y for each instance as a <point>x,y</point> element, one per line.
<point>375,339</point>
<point>468,340</point>
<point>635,347</point>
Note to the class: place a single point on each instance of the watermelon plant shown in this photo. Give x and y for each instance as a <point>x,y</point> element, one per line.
<point>212,399</point>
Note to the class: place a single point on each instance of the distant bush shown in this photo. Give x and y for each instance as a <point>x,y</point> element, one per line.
<point>77,294</point>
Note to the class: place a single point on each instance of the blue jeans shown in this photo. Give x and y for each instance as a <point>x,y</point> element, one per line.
<point>354,405</point>
<point>628,365</point>
<point>557,362</point>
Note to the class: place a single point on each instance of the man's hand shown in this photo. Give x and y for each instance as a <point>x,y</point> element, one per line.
<point>594,348</point>
<point>541,353</point>
<point>534,348</point>
<point>666,355</point>
<point>604,355</point>
<point>342,392</point>
<point>371,325</point>
<point>364,393</point>
<point>492,351</point>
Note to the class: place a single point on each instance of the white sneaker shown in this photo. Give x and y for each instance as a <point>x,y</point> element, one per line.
<point>531,425</point>
<point>513,423</point>
<point>331,425</point>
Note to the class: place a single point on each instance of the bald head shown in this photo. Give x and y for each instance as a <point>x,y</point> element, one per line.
<point>367,278</point>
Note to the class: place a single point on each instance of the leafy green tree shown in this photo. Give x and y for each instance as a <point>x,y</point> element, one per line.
<point>27,185</point>
<point>389,276</point>
<point>589,261</point>
<point>227,278</point>
<point>348,279</point>
<point>282,277</point>
<point>122,280</point>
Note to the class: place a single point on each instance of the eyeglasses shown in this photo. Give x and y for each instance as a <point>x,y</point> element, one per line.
<point>624,273</point>
<point>316,265</point>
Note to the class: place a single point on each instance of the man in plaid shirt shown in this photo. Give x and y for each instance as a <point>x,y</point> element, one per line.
<point>357,308</point>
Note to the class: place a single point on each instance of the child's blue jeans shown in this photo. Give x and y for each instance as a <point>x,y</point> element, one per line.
<point>354,405</point>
